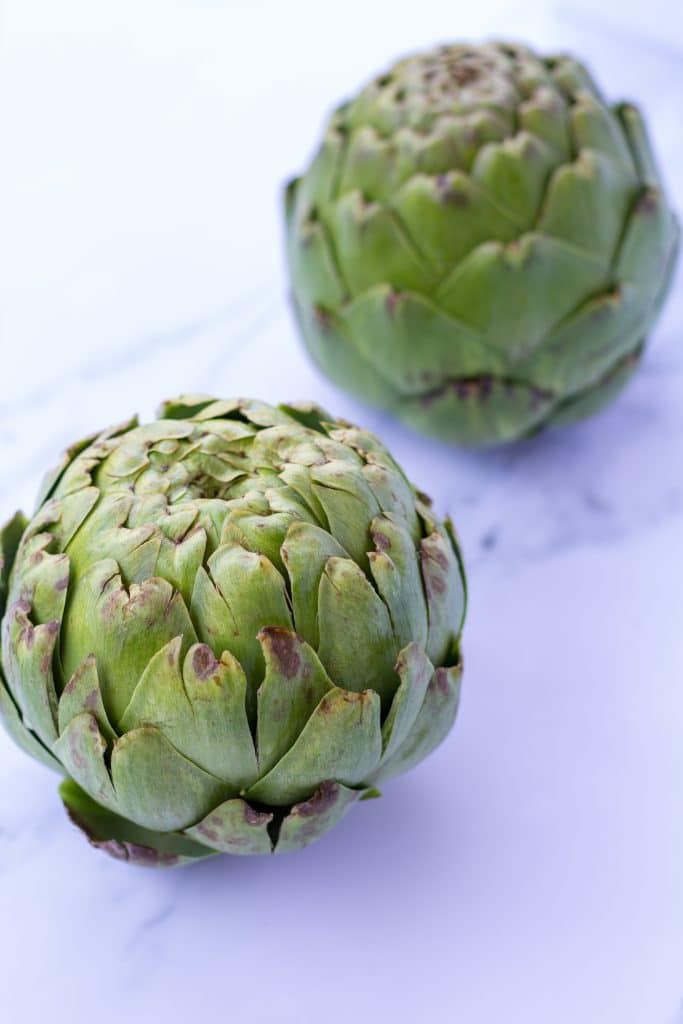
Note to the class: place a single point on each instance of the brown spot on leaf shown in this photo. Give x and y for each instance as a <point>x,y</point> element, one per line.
<point>324,798</point>
<point>437,586</point>
<point>284,647</point>
<point>204,662</point>
<point>322,318</point>
<point>209,833</point>
<point>63,583</point>
<point>110,607</point>
<point>393,301</point>
<point>254,817</point>
<point>436,554</point>
<point>441,681</point>
<point>648,203</point>
<point>113,847</point>
<point>450,193</point>
<point>77,756</point>
<point>382,542</point>
<point>145,856</point>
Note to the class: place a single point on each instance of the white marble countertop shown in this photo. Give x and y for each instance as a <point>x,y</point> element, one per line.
<point>531,870</point>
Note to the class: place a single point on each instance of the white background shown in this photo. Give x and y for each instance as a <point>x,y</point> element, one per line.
<point>531,870</point>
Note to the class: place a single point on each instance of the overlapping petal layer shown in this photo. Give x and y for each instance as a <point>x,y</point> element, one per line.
<point>225,626</point>
<point>481,244</point>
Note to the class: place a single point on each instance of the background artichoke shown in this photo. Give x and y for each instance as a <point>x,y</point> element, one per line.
<point>481,243</point>
<point>226,626</point>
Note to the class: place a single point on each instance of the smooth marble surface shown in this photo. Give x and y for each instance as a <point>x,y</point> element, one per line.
<point>532,869</point>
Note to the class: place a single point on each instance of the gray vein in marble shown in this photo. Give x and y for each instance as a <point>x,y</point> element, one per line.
<point>152,921</point>
<point>17,416</point>
<point>153,344</point>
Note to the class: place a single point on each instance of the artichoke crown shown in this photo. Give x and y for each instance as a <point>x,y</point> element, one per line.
<point>481,243</point>
<point>226,626</point>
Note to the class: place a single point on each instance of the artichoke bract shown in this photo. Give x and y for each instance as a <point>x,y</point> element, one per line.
<point>481,243</point>
<point>226,626</point>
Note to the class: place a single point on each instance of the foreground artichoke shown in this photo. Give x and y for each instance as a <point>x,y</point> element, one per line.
<point>481,243</point>
<point>227,626</point>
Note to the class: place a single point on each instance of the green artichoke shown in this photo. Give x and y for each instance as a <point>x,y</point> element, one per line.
<point>481,243</point>
<point>226,626</point>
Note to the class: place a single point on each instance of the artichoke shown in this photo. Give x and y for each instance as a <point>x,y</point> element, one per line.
<point>226,626</point>
<point>481,243</point>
